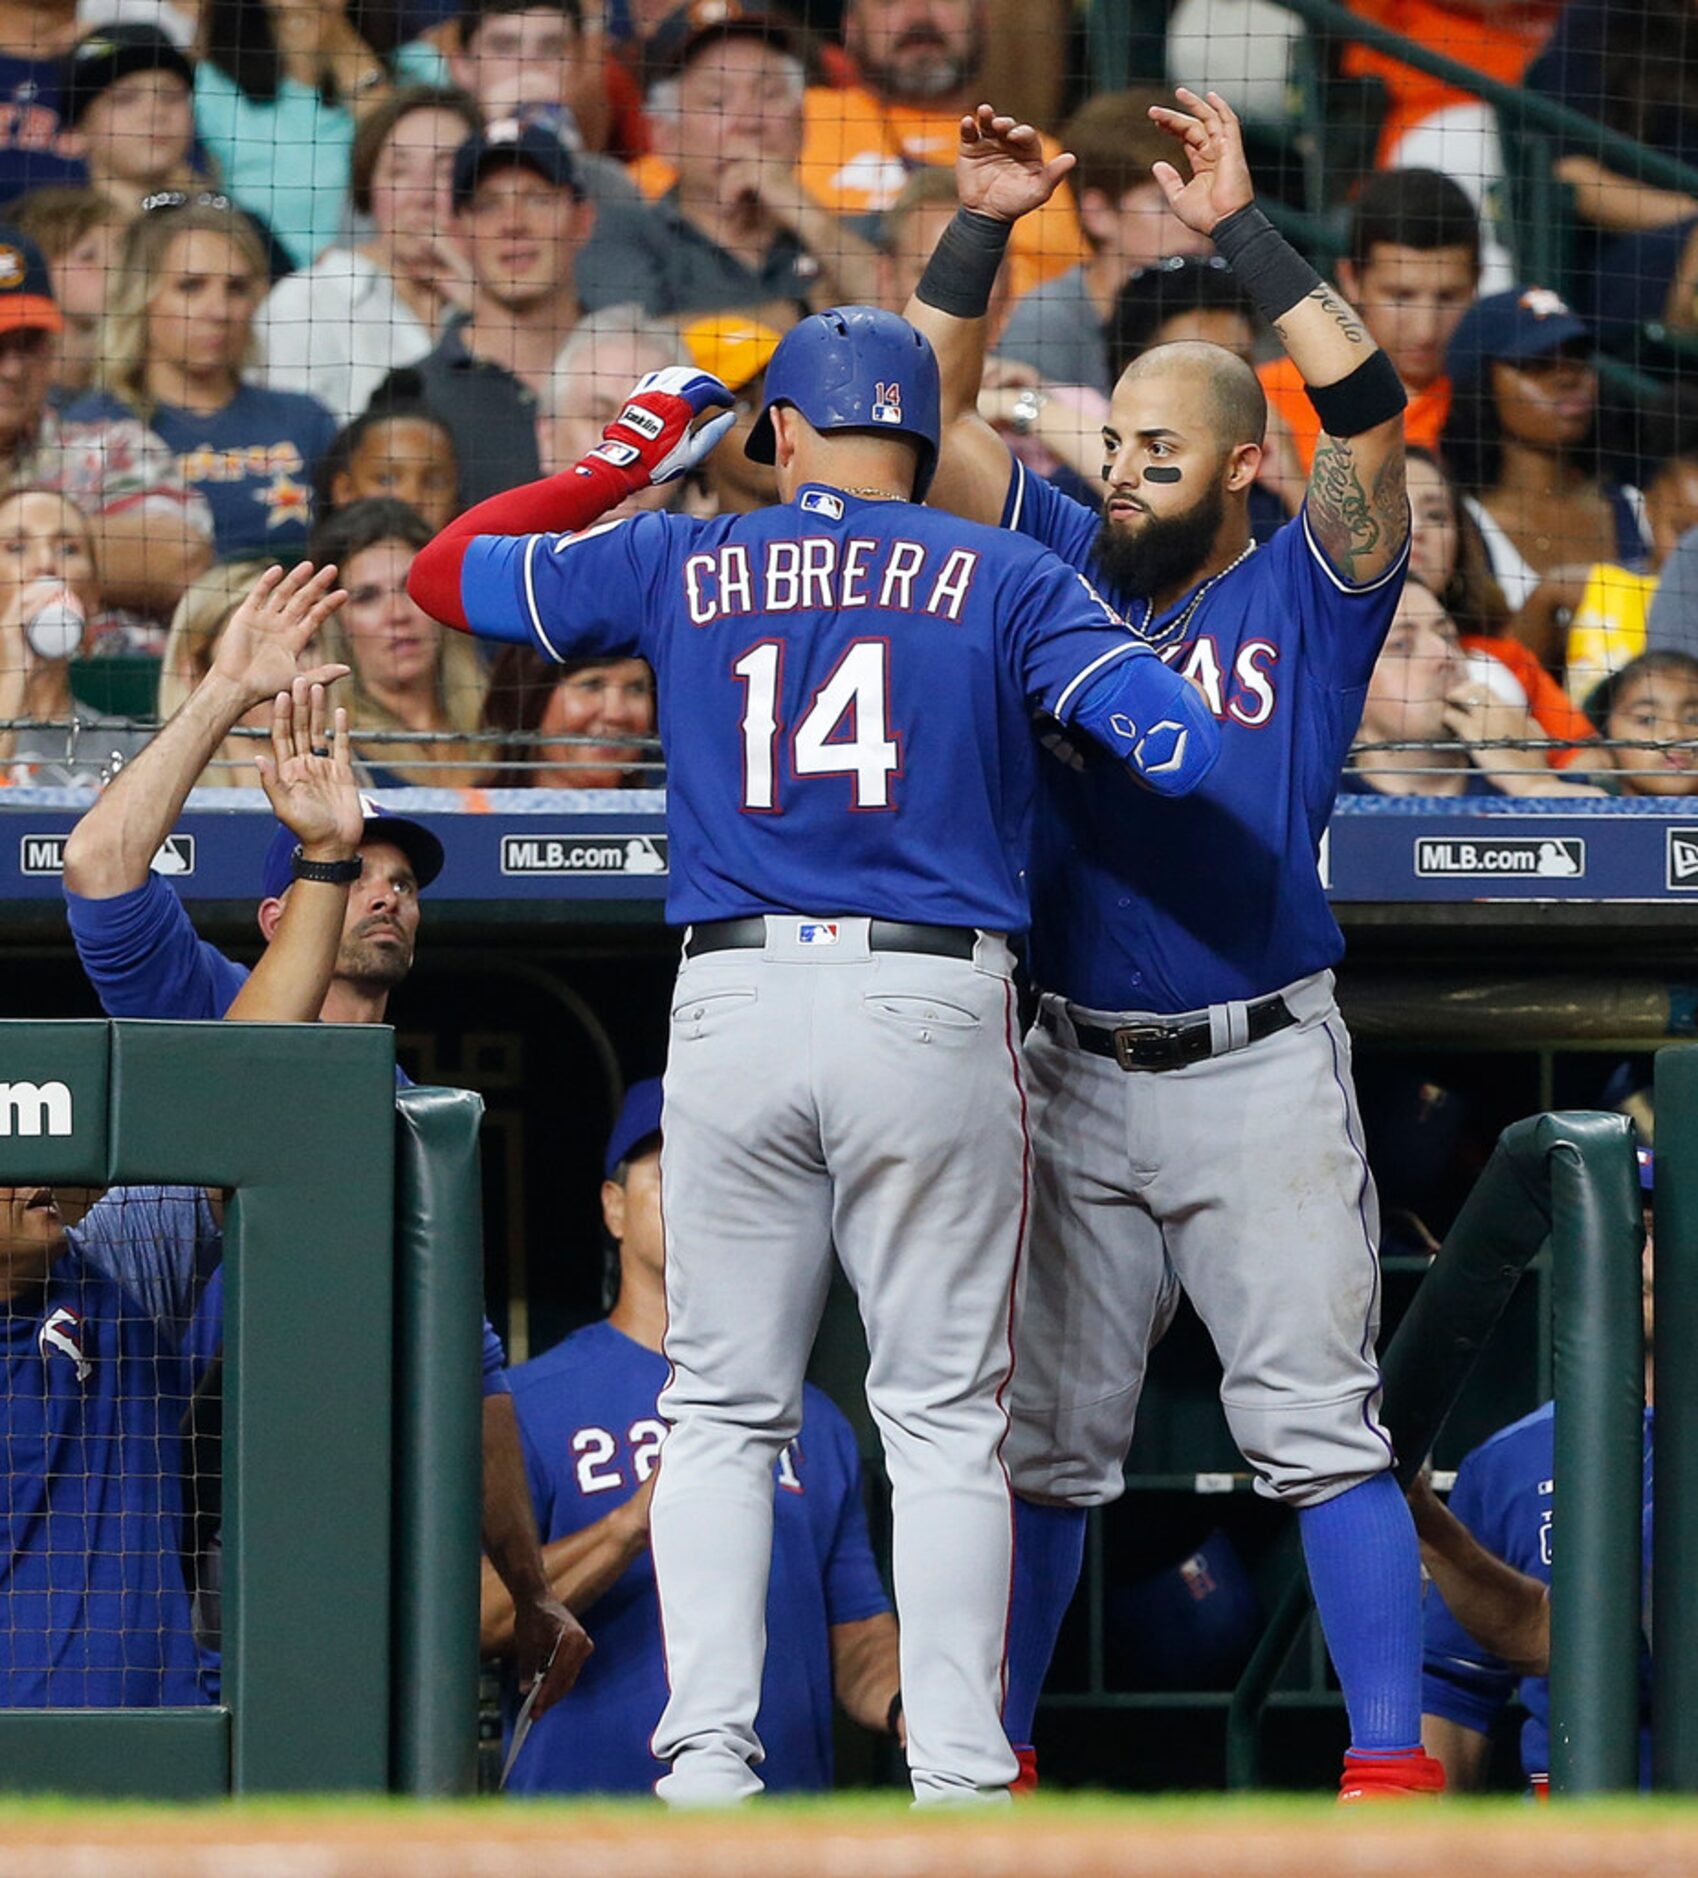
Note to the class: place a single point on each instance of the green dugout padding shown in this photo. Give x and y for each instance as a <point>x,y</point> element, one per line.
<point>439,1441</point>
<point>1569,1179</point>
<point>298,1120</point>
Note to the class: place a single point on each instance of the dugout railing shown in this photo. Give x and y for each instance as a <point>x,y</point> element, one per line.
<point>350,1448</point>
<point>1569,1180</point>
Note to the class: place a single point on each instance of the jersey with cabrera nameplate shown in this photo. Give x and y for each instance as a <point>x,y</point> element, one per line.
<point>846,692</point>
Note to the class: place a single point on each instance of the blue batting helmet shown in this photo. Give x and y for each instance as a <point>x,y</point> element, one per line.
<point>855,368</point>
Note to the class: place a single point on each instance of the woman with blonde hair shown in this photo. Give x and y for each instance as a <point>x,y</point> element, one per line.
<point>201,616</point>
<point>177,345</point>
<point>407,673</point>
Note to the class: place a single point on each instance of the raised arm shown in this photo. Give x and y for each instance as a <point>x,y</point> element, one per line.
<point>1358,513</point>
<point>258,655</point>
<point>650,441</point>
<point>1000,175</point>
<point>318,800</point>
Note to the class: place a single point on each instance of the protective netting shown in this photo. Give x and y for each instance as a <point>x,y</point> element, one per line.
<point>310,278</point>
<point>110,1415</point>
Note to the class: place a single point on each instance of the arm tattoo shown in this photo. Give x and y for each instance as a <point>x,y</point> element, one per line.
<point>1353,524</point>
<point>1335,309</point>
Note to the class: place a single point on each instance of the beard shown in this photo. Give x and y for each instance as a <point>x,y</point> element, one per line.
<point>375,967</point>
<point>1166,552</point>
<point>919,81</point>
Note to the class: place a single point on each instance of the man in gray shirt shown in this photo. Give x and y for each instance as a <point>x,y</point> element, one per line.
<point>1057,328</point>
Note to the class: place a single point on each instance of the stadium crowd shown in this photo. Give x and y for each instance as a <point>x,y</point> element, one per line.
<point>281,278</point>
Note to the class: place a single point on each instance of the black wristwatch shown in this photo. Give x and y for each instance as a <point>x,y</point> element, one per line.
<point>332,873</point>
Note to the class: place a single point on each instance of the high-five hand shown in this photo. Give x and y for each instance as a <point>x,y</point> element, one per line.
<point>1214,146</point>
<point>260,650</point>
<point>309,777</point>
<point>1000,168</point>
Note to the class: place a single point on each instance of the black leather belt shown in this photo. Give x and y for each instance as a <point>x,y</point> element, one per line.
<point>1169,1043</point>
<point>883,935</point>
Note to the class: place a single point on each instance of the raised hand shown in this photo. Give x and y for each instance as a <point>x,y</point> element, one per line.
<point>309,778</point>
<point>1000,167</point>
<point>650,440</point>
<point>259,651</point>
<point>1214,147</point>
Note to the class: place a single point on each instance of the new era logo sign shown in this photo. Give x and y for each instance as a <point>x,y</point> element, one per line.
<point>1682,860</point>
<point>28,1108</point>
<point>45,855</point>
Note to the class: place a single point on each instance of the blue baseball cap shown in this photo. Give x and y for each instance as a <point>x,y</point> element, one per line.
<point>528,144</point>
<point>414,840</point>
<point>639,1119</point>
<point>1521,323</point>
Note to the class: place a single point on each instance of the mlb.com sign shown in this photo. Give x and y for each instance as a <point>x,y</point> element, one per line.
<point>35,1109</point>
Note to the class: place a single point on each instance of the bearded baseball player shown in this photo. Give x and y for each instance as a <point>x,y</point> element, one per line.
<point>846,687</point>
<point>1192,1106</point>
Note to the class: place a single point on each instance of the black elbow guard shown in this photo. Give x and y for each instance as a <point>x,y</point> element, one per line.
<point>1372,394</point>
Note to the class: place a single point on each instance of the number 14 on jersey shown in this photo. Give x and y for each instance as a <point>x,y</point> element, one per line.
<point>843,731</point>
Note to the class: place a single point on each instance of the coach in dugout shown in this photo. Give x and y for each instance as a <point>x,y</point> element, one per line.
<point>145,960</point>
<point>592,1439</point>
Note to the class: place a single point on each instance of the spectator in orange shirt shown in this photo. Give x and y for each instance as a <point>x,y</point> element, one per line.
<point>919,66</point>
<point>1412,270</point>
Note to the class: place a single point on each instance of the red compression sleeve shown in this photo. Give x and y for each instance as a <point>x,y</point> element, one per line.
<point>555,506</point>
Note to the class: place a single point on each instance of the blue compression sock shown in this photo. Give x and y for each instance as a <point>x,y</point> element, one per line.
<point>1365,1572</point>
<point>1049,1548</point>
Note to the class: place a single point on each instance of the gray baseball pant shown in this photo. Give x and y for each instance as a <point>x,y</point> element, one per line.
<point>820,1096</point>
<point>1240,1178</point>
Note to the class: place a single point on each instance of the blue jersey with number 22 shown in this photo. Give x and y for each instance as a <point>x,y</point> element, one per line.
<point>846,695</point>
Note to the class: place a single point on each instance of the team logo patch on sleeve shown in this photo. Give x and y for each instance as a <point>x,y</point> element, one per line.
<point>61,1334</point>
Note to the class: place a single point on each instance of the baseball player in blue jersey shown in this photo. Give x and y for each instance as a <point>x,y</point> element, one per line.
<point>1488,1553</point>
<point>1192,1107</point>
<point>846,686</point>
<point>592,1435</point>
<point>94,1611</point>
<point>145,959</point>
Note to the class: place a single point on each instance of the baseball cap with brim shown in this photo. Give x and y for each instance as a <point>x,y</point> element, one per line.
<point>26,288</point>
<point>102,57</point>
<point>736,351</point>
<point>509,142</point>
<point>639,1121</point>
<point>1519,324</point>
<point>414,840</point>
<point>687,28</point>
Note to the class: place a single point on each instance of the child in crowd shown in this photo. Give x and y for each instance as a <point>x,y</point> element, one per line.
<point>401,449</point>
<point>1653,699</point>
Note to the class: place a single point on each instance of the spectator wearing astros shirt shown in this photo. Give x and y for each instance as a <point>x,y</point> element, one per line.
<point>1411,271</point>
<point>919,63</point>
<point>592,1436</point>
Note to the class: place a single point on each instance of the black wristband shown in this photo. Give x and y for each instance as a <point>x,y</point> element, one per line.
<point>893,1713</point>
<point>332,873</point>
<point>962,271</point>
<point>1371,395</point>
<point>1274,274</point>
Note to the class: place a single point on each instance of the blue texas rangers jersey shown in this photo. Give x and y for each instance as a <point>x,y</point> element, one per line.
<point>1169,906</point>
<point>591,1434</point>
<point>1503,1496</point>
<point>93,1608</point>
<point>846,690</point>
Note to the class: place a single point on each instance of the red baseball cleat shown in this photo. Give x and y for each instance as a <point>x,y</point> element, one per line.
<point>1390,1777</point>
<point>1026,1781</point>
